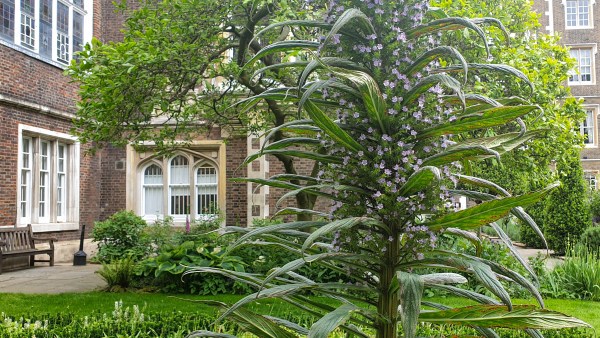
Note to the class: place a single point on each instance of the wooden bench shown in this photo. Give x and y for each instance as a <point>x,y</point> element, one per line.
<point>16,242</point>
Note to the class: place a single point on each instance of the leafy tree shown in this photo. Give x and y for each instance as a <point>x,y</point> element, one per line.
<point>176,74</point>
<point>567,210</point>
<point>545,63</point>
<point>390,162</point>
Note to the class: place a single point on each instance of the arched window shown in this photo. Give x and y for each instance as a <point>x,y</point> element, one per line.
<point>153,190</point>
<point>182,186</point>
<point>206,190</point>
<point>179,186</point>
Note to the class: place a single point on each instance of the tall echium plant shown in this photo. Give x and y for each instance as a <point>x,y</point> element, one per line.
<point>391,160</point>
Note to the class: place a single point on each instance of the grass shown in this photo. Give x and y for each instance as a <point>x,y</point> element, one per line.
<point>103,302</point>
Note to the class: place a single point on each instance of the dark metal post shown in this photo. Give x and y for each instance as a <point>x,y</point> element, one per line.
<point>80,256</point>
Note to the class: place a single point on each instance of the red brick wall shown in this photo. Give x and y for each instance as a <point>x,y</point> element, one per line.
<point>112,192</point>
<point>237,193</point>
<point>25,78</point>
<point>11,117</point>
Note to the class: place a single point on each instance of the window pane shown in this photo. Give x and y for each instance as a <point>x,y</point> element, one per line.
<point>45,43</point>
<point>206,190</point>
<point>7,19</point>
<point>180,200</point>
<point>153,190</point>
<point>77,32</point>
<point>180,171</point>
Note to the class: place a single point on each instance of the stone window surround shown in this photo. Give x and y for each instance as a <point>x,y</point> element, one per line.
<point>594,49</point>
<point>138,161</point>
<point>71,220</point>
<point>590,19</point>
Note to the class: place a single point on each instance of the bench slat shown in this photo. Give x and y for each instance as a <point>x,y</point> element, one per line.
<point>20,242</point>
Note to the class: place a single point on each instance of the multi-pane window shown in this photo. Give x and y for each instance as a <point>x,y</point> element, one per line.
<point>578,13</point>
<point>7,19</point>
<point>584,67</point>
<point>153,190</point>
<point>587,127</point>
<point>54,29</point>
<point>206,190</point>
<point>590,178</point>
<point>44,180</point>
<point>187,187</point>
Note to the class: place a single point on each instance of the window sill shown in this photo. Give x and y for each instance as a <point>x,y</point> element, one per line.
<point>578,27</point>
<point>51,227</point>
<point>581,84</point>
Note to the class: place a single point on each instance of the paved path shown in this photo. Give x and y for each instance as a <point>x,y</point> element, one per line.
<point>60,278</point>
<point>64,277</point>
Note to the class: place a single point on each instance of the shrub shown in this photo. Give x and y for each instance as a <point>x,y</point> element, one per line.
<point>166,269</point>
<point>121,235</point>
<point>595,205</point>
<point>119,274</point>
<point>528,236</point>
<point>591,239</point>
<point>567,208</point>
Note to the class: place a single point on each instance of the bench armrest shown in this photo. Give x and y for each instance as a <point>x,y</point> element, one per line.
<point>2,242</point>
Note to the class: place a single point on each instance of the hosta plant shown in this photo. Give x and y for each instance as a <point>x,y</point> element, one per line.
<point>382,109</point>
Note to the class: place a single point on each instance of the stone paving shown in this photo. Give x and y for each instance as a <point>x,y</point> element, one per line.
<point>66,278</point>
<point>60,278</point>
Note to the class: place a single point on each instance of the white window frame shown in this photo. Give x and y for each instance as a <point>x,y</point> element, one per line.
<point>195,162</point>
<point>593,111</point>
<point>591,178</point>
<point>577,12</point>
<point>34,23</point>
<point>51,220</point>
<point>144,185</point>
<point>575,74</point>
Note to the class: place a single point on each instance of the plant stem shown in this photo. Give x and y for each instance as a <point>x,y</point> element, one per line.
<point>388,301</point>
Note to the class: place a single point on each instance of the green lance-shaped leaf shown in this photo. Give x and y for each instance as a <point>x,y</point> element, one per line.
<point>288,324</point>
<point>323,190</point>
<point>308,24</point>
<point>475,195</point>
<point>460,153</point>
<point>521,317</point>
<point>304,124</point>
<point>329,322</point>
<point>430,81</point>
<point>447,24</point>
<point>329,127</point>
<point>419,180</point>
<point>471,99</point>
<point>501,143</point>
<point>487,118</point>
<point>468,235</point>
<point>371,95</point>
<point>520,213</point>
<point>434,53</point>
<point>293,177</point>
<point>358,19</point>
<point>508,242</point>
<point>322,158</point>
<point>300,225</point>
<point>312,88</point>
<point>505,69</point>
<point>326,62</point>
<point>291,141</point>
<point>278,66</point>
<point>464,293</point>
<point>280,94</point>
<point>204,333</point>
<point>267,182</point>
<point>282,46</point>
<point>493,22</point>
<point>298,211</point>
<point>482,183</point>
<point>342,224</point>
<point>488,278</point>
<point>410,294</point>
<point>259,325</point>
<point>487,212</point>
<point>300,262</point>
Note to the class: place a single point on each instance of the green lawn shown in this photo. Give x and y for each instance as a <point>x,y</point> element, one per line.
<point>84,303</point>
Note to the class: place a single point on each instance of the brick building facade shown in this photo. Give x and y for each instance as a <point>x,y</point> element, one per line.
<point>578,25</point>
<point>46,176</point>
